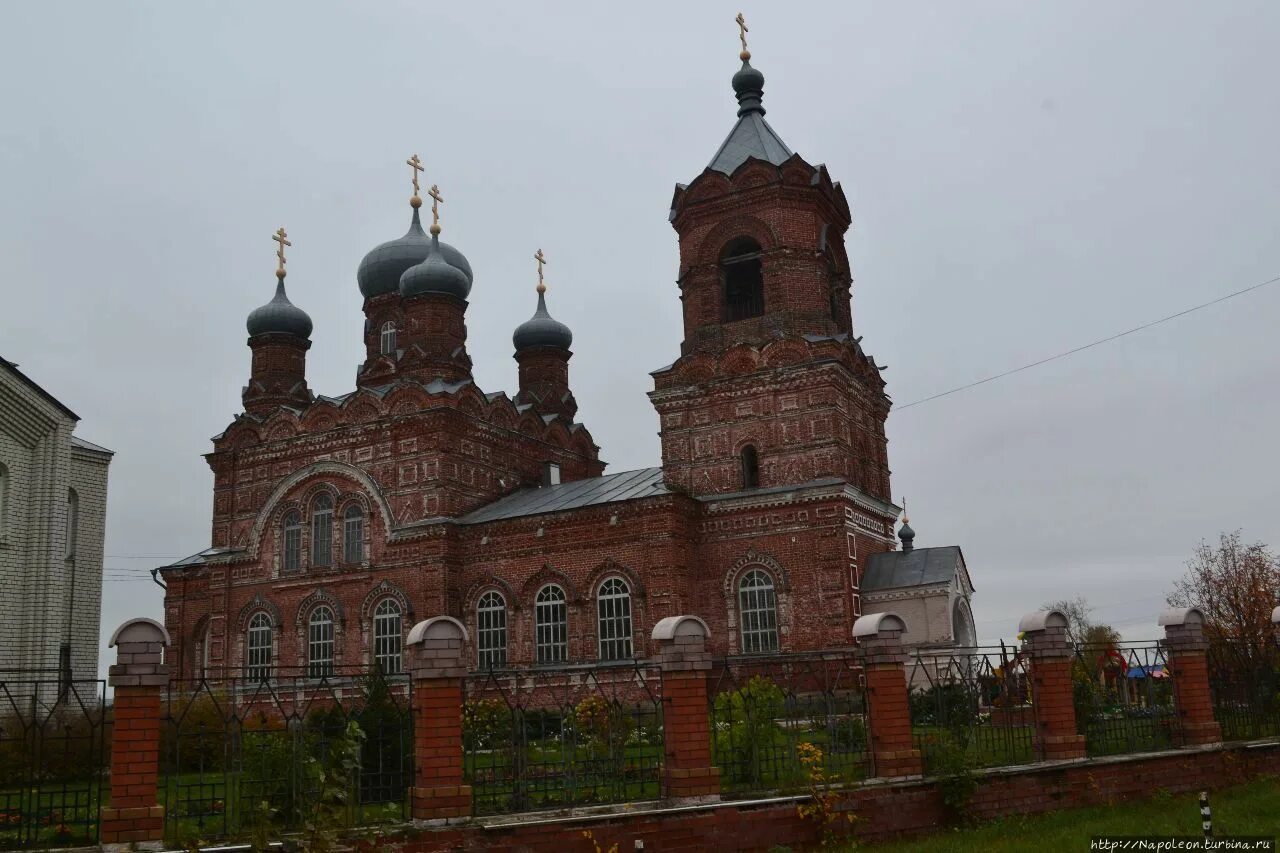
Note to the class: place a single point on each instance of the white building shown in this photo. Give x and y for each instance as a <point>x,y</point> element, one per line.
<point>53,505</point>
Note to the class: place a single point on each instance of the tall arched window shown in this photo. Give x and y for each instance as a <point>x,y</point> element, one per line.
<point>551,625</point>
<point>206,640</point>
<point>750,467</point>
<point>353,534</point>
<point>73,522</point>
<point>388,637</point>
<point>320,642</point>
<point>614,609</point>
<point>743,278</point>
<point>491,631</point>
<point>322,531</point>
<point>257,654</point>
<point>4,498</point>
<point>388,338</point>
<point>291,546</point>
<point>758,612</point>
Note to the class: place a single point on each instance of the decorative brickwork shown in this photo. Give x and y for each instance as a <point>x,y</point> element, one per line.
<point>1185,640</point>
<point>893,751</point>
<point>1051,653</point>
<point>437,668</point>
<point>682,649</point>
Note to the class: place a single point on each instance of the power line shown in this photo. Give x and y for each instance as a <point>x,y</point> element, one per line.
<point>1096,343</point>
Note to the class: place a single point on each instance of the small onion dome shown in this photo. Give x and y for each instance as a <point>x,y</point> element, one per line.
<point>748,85</point>
<point>542,330</point>
<point>436,274</point>
<point>381,269</point>
<point>279,316</point>
<point>907,535</point>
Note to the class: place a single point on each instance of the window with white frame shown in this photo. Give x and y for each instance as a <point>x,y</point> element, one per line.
<point>491,630</point>
<point>4,497</point>
<point>758,612</point>
<point>205,641</point>
<point>388,637</point>
<point>388,338</point>
<point>551,625</point>
<point>291,545</point>
<point>73,522</point>
<point>613,605</point>
<point>322,531</point>
<point>257,655</point>
<point>353,534</point>
<point>320,643</point>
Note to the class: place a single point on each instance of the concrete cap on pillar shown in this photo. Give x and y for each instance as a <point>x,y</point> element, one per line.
<point>437,628</point>
<point>1042,620</point>
<point>873,624</point>
<point>671,627</point>
<point>140,630</point>
<point>1181,616</point>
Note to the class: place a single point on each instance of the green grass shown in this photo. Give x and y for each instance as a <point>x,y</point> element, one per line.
<point>1252,809</point>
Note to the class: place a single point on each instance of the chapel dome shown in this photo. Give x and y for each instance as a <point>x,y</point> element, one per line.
<point>279,316</point>
<point>436,273</point>
<point>542,330</point>
<point>381,269</point>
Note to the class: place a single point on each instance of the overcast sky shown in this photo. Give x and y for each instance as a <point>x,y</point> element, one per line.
<point>1024,178</point>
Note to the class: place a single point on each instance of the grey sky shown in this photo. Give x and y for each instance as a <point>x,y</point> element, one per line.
<point>1024,178</point>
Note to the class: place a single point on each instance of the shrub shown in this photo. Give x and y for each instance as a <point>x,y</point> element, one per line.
<point>486,724</point>
<point>746,734</point>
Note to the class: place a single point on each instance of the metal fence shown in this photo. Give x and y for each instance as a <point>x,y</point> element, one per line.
<point>239,755</point>
<point>54,739</point>
<point>764,708</point>
<point>1244,681</point>
<point>554,737</point>
<point>1124,697</point>
<point>972,708</point>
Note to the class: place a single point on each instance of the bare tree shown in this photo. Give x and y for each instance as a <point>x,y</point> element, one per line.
<point>1236,585</point>
<point>1080,625</point>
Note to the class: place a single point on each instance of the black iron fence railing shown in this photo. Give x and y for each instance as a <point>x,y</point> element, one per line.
<point>243,755</point>
<point>1244,682</point>
<point>54,752</point>
<point>767,712</point>
<point>1123,697</point>
<point>972,708</point>
<point>554,737</point>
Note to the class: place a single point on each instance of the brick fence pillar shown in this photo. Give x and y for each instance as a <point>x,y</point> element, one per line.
<point>437,667</point>
<point>686,725</point>
<point>879,638</point>
<point>1187,648</point>
<point>1052,692</point>
<point>138,676</point>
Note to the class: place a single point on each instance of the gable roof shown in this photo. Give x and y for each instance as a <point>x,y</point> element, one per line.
<point>30,383</point>
<point>917,567</point>
<point>751,137</point>
<point>624,486</point>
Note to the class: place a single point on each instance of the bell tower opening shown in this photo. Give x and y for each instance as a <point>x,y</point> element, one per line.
<point>743,277</point>
<point>750,467</point>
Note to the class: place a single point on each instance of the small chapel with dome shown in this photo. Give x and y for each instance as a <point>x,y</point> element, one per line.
<point>339,522</point>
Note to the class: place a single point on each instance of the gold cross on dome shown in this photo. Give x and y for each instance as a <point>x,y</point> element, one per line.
<point>416,164</point>
<point>541,259</point>
<point>742,34</point>
<point>282,238</point>
<point>436,201</point>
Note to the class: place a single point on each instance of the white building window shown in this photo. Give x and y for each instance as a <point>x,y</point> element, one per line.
<point>388,338</point>
<point>257,656</point>
<point>73,522</point>
<point>614,609</point>
<point>491,630</point>
<point>322,531</point>
<point>320,643</point>
<point>4,497</point>
<point>353,534</point>
<point>758,609</point>
<point>551,625</point>
<point>387,637</point>
<point>291,547</point>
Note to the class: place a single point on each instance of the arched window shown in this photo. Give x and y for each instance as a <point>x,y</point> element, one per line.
<point>750,467</point>
<point>291,547</point>
<point>388,637</point>
<point>322,531</point>
<point>4,497</point>
<point>388,338</point>
<point>743,278</point>
<point>353,534</point>
<point>491,631</point>
<point>73,522</point>
<point>758,612</point>
<point>320,643</point>
<point>614,609</point>
<point>206,640</point>
<point>257,655</point>
<point>551,625</point>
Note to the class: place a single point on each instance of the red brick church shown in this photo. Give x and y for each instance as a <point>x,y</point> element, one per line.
<point>338,522</point>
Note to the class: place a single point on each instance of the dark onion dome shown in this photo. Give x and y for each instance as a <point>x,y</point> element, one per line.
<point>748,85</point>
<point>542,330</point>
<point>907,535</point>
<point>381,269</point>
<point>436,273</point>
<point>279,316</point>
